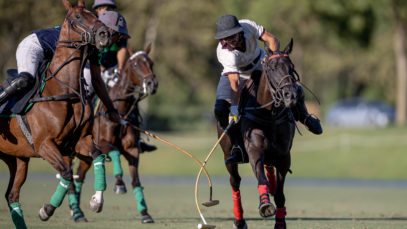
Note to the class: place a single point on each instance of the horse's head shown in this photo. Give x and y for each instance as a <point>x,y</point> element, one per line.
<point>84,26</point>
<point>279,72</point>
<point>141,72</point>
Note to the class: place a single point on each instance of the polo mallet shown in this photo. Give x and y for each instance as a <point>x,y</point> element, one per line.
<point>126,123</point>
<point>211,202</point>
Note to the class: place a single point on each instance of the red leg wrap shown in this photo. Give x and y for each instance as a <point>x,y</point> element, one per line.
<point>272,179</point>
<point>237,205</point>
<point>264,193</point>
<point>281,213</point>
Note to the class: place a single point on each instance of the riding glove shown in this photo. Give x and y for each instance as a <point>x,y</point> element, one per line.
<point>234,115</point>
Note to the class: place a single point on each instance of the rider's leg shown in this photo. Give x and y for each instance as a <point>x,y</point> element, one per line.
<point>222,114</point>
<point>29,55</point>
<point>301,114</point>
<point>144,147</point>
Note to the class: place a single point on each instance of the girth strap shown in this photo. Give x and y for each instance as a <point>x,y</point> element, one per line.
<point>54,98</point>
<point>25,128</point>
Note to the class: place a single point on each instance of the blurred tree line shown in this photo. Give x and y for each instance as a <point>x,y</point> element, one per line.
<point>341,48</point>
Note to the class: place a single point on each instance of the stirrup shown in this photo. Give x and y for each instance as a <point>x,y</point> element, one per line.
<point>237,156</point>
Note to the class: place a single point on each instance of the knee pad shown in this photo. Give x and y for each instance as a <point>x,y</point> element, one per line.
<point>23,81</point>
<point>222,111</point>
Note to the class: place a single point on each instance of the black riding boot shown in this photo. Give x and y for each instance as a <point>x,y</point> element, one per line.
<point>16,86</point>
<point>222,115</point>
<point>144,147</point>
<point>301,114</point>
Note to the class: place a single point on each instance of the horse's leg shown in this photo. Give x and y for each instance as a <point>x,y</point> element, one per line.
<point>226,145</point>
<point>279,197</point>
<point>49,152</point>
<point>18,172</point>
<point>84,166</point>
<point>255,146</point>
<point>132,154</point>
<point>86,147</point>
<point>240,222</point>
<point>120,186</point>
<point>74,206</point>
<point>271,177</point>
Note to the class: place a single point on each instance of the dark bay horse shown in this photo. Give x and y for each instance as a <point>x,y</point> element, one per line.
<point>267,127</point>
<point>55,126</point>
<point>135,83</point>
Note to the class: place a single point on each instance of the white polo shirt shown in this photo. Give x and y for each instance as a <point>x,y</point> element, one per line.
<point>234,60</point>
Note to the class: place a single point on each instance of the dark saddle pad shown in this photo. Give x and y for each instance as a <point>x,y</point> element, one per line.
<point>19,104</point>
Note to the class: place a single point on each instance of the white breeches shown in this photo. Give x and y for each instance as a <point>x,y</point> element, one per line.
<point>29,55</point>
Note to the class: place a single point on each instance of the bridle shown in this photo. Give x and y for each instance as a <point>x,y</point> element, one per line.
<point>137,92</point>
<point>146,77</point>
<point>276,89</point>
<point>86,32</point>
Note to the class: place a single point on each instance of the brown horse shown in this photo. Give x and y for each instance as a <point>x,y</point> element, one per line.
<point>135,83</point>
<point>267,127</point>
<point>54,127</point>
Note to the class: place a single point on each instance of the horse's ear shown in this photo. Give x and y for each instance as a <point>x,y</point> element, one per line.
<point>131,52</point>
<point>148,48</point>
<point>67,4</point>
<point>289,47</point>
<point>81,3</point>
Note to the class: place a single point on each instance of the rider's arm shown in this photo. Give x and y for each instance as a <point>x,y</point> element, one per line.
<point>274,43</point>
<point>235,85</point>
<point>121,56</point>
<point>100,89</point>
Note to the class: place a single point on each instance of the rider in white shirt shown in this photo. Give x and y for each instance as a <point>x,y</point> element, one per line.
<point>240,55</point>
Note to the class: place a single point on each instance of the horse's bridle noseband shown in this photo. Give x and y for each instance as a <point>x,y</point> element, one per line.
<point>276,89</point>
<point>87,33</point>
<point>145,77</point>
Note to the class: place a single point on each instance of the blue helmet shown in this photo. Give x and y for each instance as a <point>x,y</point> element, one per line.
<point>115,21</point>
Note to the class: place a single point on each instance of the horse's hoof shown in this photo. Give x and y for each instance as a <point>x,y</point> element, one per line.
<point>95,206</point>
<point>81,219</point>
<point>267,210</point>
<point>280,226</point>
<point>119,189</point>
<point>240,224</point>
<point>43,214</point>
<point>146,219</point>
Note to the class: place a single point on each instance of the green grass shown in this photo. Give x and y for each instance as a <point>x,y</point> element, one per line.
<point>172,206</point>
<point>337,153</point>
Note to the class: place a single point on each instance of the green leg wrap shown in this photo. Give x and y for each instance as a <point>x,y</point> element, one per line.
<point>17,215</point>
<point>141,203</point>
<point>78,190</point>
<point>117,167</point>
<point>74,205</point>
<point>62,189</point>
<point>78,186</point>
<point>99,170</point>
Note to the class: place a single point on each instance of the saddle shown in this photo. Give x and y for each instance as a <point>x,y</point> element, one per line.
<point>20,104</point>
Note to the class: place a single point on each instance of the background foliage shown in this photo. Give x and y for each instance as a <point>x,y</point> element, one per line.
<point>341,48</point>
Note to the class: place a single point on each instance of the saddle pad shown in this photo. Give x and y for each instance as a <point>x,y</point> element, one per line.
<point>19,104</point>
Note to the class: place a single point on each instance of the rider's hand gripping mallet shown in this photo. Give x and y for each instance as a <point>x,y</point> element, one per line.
<point>211,202</point>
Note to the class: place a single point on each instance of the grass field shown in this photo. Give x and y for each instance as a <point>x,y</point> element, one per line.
<point>172,206</point>
<point>367,154</point>
<point>337,153</point>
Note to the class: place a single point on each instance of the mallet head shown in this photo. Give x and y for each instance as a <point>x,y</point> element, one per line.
<point>210,203</point>
<point>206,226</point>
